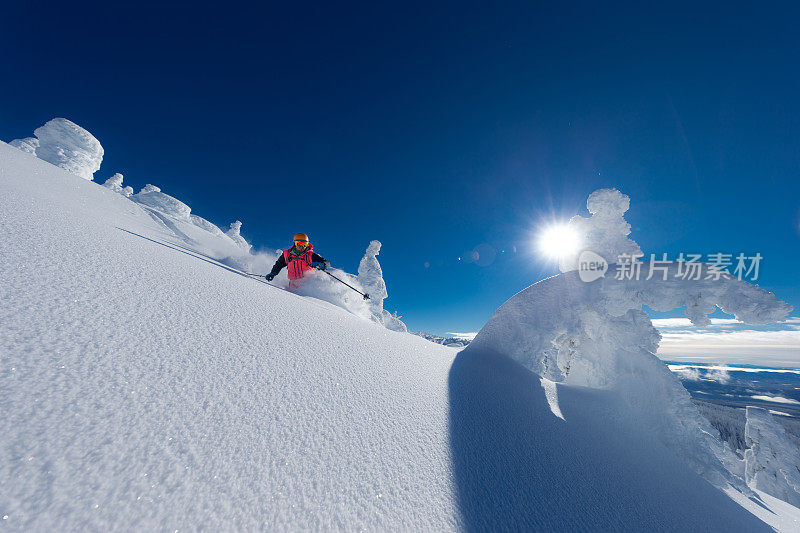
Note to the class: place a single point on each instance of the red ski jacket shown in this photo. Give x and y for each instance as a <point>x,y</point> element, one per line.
<point>298,264</point>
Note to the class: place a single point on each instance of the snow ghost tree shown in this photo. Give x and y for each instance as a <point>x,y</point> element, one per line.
<point>27,145</point>
<point>605,232</point>
<point>370,276</point>
<point>235,233</point>
<point>772,462</point>
<point>597,334</point>
<point>152,197</point>
<point>67,145</point>
<point>115,184</point>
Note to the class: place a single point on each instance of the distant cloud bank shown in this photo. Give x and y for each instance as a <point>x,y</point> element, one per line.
<point>727,340</point>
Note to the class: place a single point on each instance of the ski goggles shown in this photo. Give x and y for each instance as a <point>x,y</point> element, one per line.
<point>301,244</point>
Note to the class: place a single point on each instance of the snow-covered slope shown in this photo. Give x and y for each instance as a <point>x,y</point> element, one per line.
<point>145,385</point>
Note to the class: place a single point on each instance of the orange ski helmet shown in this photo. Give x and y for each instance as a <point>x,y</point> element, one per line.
<point>301,237</point>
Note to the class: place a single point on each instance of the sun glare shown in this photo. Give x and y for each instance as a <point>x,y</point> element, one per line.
<point>559,241</point>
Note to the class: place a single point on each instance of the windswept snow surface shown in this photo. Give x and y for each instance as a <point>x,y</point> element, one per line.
<point>147,386</point>
<point>152,197</point>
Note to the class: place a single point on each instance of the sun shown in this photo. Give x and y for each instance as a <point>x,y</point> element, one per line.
<point>558,241</point>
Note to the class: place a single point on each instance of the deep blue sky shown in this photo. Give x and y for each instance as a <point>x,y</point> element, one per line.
<point>435,127</point>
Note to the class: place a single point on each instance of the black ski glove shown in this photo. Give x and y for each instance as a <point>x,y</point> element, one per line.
<point>270,276</point>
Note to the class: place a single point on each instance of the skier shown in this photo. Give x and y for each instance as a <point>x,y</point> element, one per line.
<point>299,259</point>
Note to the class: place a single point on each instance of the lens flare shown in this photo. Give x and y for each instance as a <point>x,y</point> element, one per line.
<point>559,241</point>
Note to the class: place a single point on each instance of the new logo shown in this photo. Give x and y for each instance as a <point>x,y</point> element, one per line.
<point>591,266</point>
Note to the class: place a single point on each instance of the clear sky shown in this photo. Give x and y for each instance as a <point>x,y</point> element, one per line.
<point>435,127</point>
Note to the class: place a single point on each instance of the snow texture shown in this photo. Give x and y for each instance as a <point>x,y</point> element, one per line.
<point>66,145</point>
<point>27,145</point>
<point>605,232</point>
<point>370,276</point>
<point>772,460</point>
<point>148,386</point>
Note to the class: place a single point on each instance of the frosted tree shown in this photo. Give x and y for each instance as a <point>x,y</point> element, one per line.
<point>67,145</point>
<point>597,334</point>
<point>235,233</point>
<point>729,421</point>
<point>772,462</point>
<point>115,184</point>
<point>370,276</point>
<point>606,231</point>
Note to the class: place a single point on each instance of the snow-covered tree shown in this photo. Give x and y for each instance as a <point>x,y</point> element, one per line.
<point>605,232</point>
<point>235,233</point>
<point>728,421</point>
<point>597,334</point>
<point>772,462</point>
<point>67,145</point>
<point>115,184</point>
<point>370,276</point>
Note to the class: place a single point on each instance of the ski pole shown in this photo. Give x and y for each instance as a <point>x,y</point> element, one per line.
<point>366,296</point>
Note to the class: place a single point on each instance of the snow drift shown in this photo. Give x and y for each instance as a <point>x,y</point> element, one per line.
<point>152,197</point>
